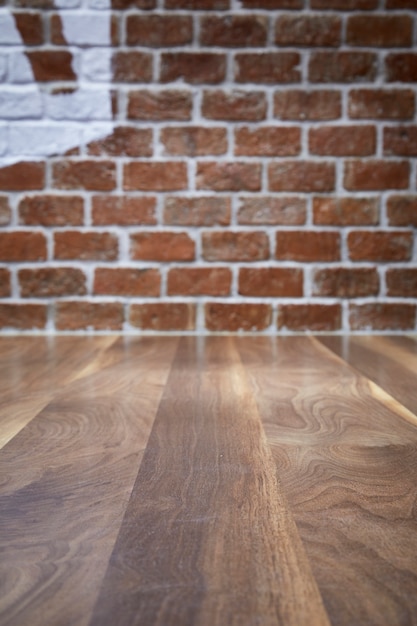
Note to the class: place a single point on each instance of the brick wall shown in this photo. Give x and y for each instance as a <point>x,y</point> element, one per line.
<point>212,165</point>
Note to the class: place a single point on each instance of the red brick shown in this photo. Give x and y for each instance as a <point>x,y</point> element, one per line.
<point>400,141</point>
<point>229,176</point>
<point>308,30</point>
<point>401,67</point>
<point>171,104</point>
<point>265,210</point>
<point>402,282</point>
<point>379,30</point>
<point>193,67</point>
<point>159,30</point>
<point>342,67</point>
<point>48,282</point>
<point>233,31</point>
<point>155,176</point>
<point>273,4</point>
<point>278,282</point>
<point>124,141</point>
<point>132,67</point>
<point>268,141</point>
<point>145,5</point>
<point>249,106</point>
<point>204,211</point>
<point>78,315</point>
<point>344,5</point>
<point>342,140</point>
<point>297,104</point>
<point>314,317</point>
<point>163,316</point>
<point>345,211</point>
<point>194,140</point>
<point>32,4</point>
<point>5,284</point>
<point>90,175</point>
<point>392,104</point>
<point>199,281</point>
<point>375,175</point>
<point>23,316</point>
<point>346,282</point>
<point>123,210</point>
<point>301,176</point>
<point>382,316</point>
<point>30,27</point>
<point>402,210</point>
<point>162,246</point>
<point>5,211</point>
<point>198,5</point>
<point>235,246</point>
<point>126,281</point>
<point>85,246</point>
<point>307,246</point>
<point>51,210</point>
<point>267,67</point>
<point>22,246</point>
<point>380,246</point>
<point>50,65</point>
<point>22,176</point>
<point>220,316</point>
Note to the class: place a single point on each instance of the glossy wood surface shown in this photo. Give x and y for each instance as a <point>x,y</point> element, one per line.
<point>208,481</point>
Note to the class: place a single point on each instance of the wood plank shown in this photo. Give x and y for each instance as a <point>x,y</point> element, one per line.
<point>207,537</point>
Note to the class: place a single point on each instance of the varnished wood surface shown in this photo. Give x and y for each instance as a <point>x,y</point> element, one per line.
<point>208,481</point>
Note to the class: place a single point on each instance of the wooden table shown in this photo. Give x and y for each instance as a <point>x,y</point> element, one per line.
<point>222,480</point>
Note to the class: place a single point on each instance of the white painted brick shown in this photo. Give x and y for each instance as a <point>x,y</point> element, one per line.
<point>3,67</point>
<point>19,68</point>
<point>20,103</point>
<point>83,104</point>
<point>99,4</point>
<point>67,4</point>
<point>91,132</point>
<point>8,31</point>
<point>86,28</point>
<point>96,65</point>
<point>42,139</point>
<point>3,139</point>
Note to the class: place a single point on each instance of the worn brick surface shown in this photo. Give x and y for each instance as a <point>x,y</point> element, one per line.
<point>163,316</point>
<point>313,317</point>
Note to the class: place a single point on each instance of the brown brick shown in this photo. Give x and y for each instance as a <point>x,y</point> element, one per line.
<point>90,175</point>
<point>5,211</point>
<point>297,104</point>
<point>307,246</point>
<point>401,67</point>
<point>278,282</point>
<point>145,5</point>
<point>5,284</point>
<point>204,211</point>
<point>342,140</point>
<point>301,176</point>
<point>345,211</point>
<point>392,104</point>
<point>162,246</point>
<point>49,65</point>
<point>127,281</point>
<point>22,246</point>
<point>233,31</point>
<point>124,141</point>
<point>48,282</point>
<point>51,210</point>
<point>199,281</point>
<point>379,30</point>
<point>266,210</point>
<point>194,140</point>
<point>229,176</point>
<point>402,282</point>
<point>375,175</point>
<point>308,30</point>
<point>344,5</point>
<point>163,316</point>
<point>159,30</point>
<point>22,176</point>
<point>23,316</point>
<point>380,246</point>
<point>131,67</point>
<point>85,246</point>
<point>268,141</point>
<point>400,4</point>
<point>77,315</point>
<point>314,317</point>
<point>342,67</point>
<point>346,282</point>
<point>402,210</point>
<point>32,4</point>
<point>30,27</point>
<point>235,246</point>
<point>273,4</point>
<point>249,106</point>
<point>267,67</point>
<point>400,141</point>
<point>198,5</point>
<point>123,210</point>
<point>382,316</point>
<point>193,67</point>
<point>155,176</point>
<point>167,104</point>
<point>220,316</point>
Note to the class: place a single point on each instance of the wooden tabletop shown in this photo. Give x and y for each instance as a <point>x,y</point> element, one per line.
<point>210,481</point>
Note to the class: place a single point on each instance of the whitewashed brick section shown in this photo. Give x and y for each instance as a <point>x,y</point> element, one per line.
<point>20,103</point>
<point>99,4</point>
<point>83,104</point>
<point>86,28</point>
<point>19,68</point>
<point>8,31</point>
<point>67,4</point>
<point>42,139</point>
<point>3,139</point>
<point>96,65</point>
<point>3,67</point>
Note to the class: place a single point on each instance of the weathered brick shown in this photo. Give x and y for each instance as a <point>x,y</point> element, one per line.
<point>5,283</point>
<point>235,246</point>
<point>308,30</point>
<point>273,4</point>
<point>5,211</point>
<point>159,30</point>
<point>307,246</point>
<point>22,246</point>
<point>346,282</point>
<point>342,67</point>
<point>268,141</point>
<point>401,67</point>
<point>376,175</point>
<point>387,31</point>
<point>266,210</point>
<point>85,246</point>
<point>278,282</point>
<point>400,141</point>
<point>162,246</point>
<point>235,105</point>
<point>402,282</point>
<point>123,210</point>
<point>127,281</point>
<point>233,31</point>
<point>172,104</point>
<point>380,246</point>
<point>51,210</point>
<point>82,315</point>
<point>400,4</point>
<point>193,67</point>
<point>25,175</point>
<point>86,174</point>
<point>163,316</point>
<point>298,104</point>
<point>342,140</point>
<point>131,67</point>
<point>204,211</point>
<point>30,27</point>
<point>267,67</point>
<point>198,5</point>
<point>50,65</point>
<point>221,316</point>
<point>402,210</point>
<point>229,176</point>
<point>48,282</point>
<point>155,176</point>
<point>393,104</point>
<point>23,316</point>
<point>314,317</point>
<point>124,141</point>
<point>194,140</point>
<point>145,5</point>
<point>345,211</point>
<point>382,316</point>
<point>344,5</point>
<point>301,176</point>
<point>199,281</point>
